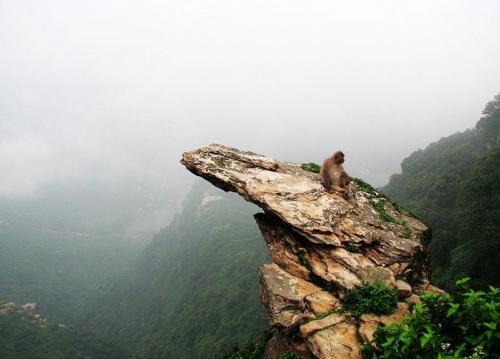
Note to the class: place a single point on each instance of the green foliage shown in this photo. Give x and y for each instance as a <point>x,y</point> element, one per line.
<point>194,292</point>
<point>55,269</point>
<point>379,206</point>
<point>311,167</point>
<point>454,186</point>
<point>19,338</point>
<point>303,260</point>
<point>465,325</point>
<point>366,187</point>
<point>477,250</point>
<point>378,201</point>
<point>376,297</point>
<point>252,350</point>
<point>351,248</point>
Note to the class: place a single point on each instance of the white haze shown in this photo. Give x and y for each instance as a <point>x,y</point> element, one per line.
<point>115,89</point>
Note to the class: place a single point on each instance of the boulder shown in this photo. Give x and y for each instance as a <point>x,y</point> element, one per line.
<point>404,289</point>
<point>333,337</point>
<point>322,246</point>
<point>370,322</point>
<point>284,296</point>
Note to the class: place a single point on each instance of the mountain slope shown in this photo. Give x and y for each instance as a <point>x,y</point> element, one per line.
<point>454,185</point>
<point>61,240</point>
<point>194,292</point>
<point>24,333</point>
<point>55,268</point>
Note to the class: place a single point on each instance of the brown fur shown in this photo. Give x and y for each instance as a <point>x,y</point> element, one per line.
<point>334,177</point>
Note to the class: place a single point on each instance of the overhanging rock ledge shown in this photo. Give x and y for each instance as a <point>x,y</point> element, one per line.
<point>321,246</point>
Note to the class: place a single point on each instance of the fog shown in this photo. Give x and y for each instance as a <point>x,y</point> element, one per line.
<point>110,91</point>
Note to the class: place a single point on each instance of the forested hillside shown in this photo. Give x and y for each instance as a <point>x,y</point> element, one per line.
<point>25,334</point>
<point>56,268</point>
<point>454,185</point>
<point>64,238</point>
<point>194,292</point>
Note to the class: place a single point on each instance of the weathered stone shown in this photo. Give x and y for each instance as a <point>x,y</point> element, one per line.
<point>319,237</point>
<point>298,198</point>
<point>370,322</point>
<point>332,337</point>
<point>314,326</point>
<point>366,331</point>
<point>413,299</point>
<point>281,344</point>
<point>433,289</point>
<point>403,288</point>
<point>426,287</point>
<point>276,346</point>
<point>7,308</point>
<point>338,341</point>
<point>284,296</point>
<point>345,269</point>
<point>322,302</point>
<point>283,245</point>
<point>30,312</point>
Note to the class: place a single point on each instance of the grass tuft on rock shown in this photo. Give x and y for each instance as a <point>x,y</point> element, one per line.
<point>365,187</point>
<point>311,167</point>
<point>379,207</point>
<point>375,297</point>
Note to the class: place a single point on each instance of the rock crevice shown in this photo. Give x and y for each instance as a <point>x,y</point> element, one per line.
<point>321,246</point>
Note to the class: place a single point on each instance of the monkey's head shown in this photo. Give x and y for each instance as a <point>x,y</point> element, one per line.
<point>338,157</point>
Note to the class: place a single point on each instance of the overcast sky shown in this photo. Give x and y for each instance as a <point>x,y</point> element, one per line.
<point>114,88</point>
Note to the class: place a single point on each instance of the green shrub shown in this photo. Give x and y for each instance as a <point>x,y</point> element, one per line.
<point>366,187</point>
<point>465,325</point>
<point>375,297</point>
<point>311,167</point>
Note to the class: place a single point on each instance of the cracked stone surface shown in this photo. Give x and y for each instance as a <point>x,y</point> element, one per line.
<point>321,246</point>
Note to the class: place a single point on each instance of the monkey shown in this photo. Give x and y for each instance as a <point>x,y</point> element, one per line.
<point>333,176</point>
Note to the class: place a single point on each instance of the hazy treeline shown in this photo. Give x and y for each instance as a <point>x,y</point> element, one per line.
<point>454,186</point>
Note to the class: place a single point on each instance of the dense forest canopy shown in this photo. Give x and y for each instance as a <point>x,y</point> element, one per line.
<point>23,337</point>
<point>454,185</point>
<point>194,292</point>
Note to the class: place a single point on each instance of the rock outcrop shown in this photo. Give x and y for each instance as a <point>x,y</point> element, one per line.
<point>322,246</point>
<point>28,311</point>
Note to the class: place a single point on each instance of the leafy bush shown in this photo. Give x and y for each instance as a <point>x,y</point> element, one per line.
<point>311,167</point>
<point>375,297</point>
<point>465,325</point>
